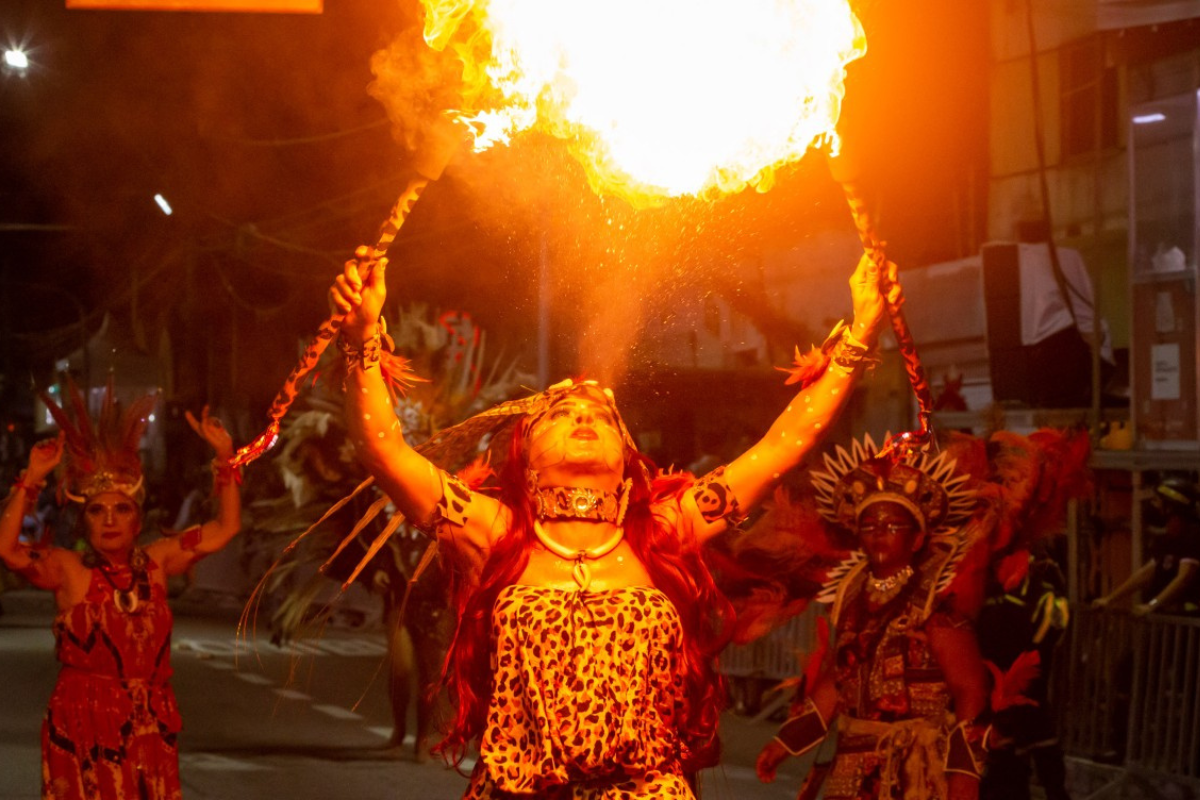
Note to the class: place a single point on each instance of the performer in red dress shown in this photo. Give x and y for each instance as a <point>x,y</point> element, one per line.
<point>112,723</point>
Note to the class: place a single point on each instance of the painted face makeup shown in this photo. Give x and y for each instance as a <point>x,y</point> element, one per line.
<point>112,521</point>
<point>889,535</point>
<point>577,432</point>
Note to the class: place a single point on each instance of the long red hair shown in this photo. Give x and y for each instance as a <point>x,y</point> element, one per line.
<point>676,568</point>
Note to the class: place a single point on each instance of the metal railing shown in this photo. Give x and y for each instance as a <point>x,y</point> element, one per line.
<point>1127,691</point>
<point>776,656</point>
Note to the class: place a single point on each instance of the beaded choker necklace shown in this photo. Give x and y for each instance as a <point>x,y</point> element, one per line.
<point>580,571</point>
<point>881,590</point>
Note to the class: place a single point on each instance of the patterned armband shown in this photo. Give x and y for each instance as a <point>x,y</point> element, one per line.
<point>189,540</point>
<point>845,351</point>
<point>364,357</point>
<point>225,472</point>
<point>804,731</point>
<point>451,507</point>
<point>716,500</point>
<point>966,748</point>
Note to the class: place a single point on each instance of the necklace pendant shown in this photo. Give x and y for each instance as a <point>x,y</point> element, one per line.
<point>582,574</point>
<point>127,600</point>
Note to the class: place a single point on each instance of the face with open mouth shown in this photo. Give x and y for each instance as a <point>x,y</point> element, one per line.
<point>578,433</point>
<point>112,522</point>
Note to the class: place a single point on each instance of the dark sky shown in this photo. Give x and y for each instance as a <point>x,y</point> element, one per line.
<point>260,131</point>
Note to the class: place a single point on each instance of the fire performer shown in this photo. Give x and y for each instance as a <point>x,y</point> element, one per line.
<point>904,682</point>
<point>112,723</point>
<point>583,660</point>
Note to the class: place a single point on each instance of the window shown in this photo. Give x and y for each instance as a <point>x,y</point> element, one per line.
<point>1089,99</point>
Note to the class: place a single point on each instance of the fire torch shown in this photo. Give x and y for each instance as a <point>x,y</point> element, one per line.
<point>431,161</point>
<point>844,173</point>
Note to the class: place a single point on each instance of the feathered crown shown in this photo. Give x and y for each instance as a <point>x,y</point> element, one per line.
<point>927,485</point>
<point>101,455</point>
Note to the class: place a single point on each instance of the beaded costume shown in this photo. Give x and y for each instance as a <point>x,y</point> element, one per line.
<point>896,707</point>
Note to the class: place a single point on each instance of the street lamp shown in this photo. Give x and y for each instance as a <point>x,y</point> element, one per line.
<point>16,60</point>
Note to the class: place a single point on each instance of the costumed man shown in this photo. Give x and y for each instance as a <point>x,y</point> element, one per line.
<point>1172,575</point>
<point>904,682</point>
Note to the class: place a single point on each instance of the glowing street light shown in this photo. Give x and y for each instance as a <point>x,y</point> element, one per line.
<point>16,59</point>
<point>163,204</point>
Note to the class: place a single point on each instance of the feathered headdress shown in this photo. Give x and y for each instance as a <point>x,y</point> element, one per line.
<point>987,502</point>
<point>101,455</point>
<point>929,486</point>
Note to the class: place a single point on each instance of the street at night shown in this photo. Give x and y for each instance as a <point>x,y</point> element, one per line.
<point>709,399</point>
<point>309,723</point>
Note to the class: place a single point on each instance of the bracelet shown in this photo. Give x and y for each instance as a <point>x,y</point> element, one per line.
<point>225,472</point>
<point>32,488</point>
<point>845,351</point>
<point>366,356</point>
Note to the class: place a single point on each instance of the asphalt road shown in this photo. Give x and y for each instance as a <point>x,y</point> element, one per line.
<point>260,722</point>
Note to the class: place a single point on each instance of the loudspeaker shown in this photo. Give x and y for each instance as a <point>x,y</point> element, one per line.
<point>1053,373</point>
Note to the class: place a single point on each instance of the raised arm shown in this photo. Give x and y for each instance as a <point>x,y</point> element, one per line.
<point>413,483</point>
<point>751,476</point>
<point>1172,591</point>
<point>43,568</point>
<point>1138,580</point>
<point>807,725</point>
<point>176,553</point>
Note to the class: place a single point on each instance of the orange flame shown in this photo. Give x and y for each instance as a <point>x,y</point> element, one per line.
<point>656,98</point>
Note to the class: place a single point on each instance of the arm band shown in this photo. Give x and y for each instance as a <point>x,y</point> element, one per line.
<point>804,731</point>
<point>966,749</point>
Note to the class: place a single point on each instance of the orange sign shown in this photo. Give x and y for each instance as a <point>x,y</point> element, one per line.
<point>255,6</point>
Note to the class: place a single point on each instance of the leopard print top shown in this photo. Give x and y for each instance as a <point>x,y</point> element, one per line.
<point>588,695</point>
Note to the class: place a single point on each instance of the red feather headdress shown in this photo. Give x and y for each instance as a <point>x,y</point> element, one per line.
<point>101,455</point>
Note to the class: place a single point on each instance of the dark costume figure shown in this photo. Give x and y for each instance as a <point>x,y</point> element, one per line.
<point>1030,616</point>
<point>112,723</point>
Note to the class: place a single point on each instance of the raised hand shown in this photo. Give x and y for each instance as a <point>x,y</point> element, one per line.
<point>866,292</point>
<point>358,294</point>
<point>43,458</point>
<point>773,754</point>
<point>212,431</point>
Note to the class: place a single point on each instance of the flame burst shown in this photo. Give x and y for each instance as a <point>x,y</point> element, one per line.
<point>656,98</point>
